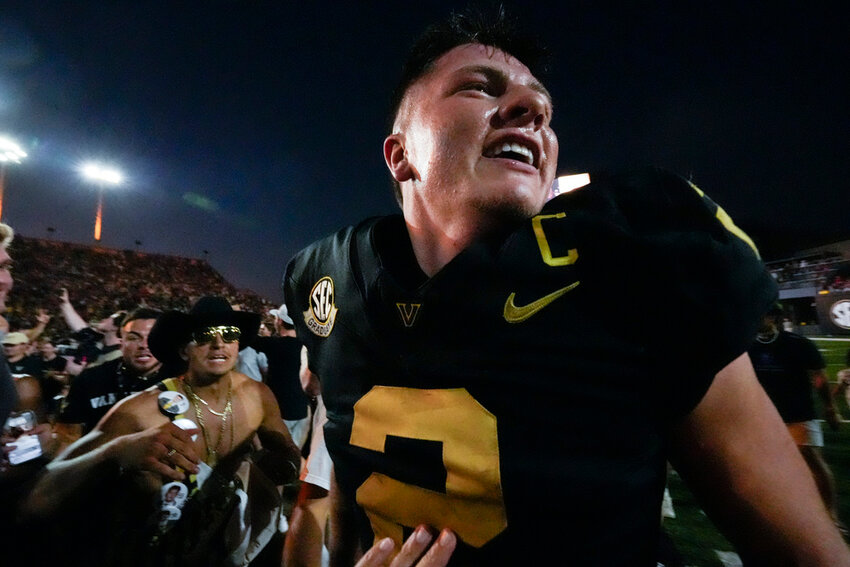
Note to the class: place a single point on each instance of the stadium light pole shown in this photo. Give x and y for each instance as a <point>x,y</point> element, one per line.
<point>10,152</point>
<point>101,176</point>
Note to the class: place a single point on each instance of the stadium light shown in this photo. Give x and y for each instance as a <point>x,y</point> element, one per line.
<point>10,152</point>
<point>567,183</point>
<point>102,176</point>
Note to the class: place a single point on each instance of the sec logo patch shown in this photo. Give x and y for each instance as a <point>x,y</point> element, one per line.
<point>840,314</point>
<point>321,315</point>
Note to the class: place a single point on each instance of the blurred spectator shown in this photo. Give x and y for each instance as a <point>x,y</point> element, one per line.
<point>284,362</point>
<point>99,388</point>
<point>789,367</point>
<point>15,348</point>
<point>8,394</point>
<point>21,419</point>
<point>99,342</point>
<point>844,380</point>
<point>251,363</point>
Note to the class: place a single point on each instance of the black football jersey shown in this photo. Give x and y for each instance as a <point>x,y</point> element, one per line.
<point>782,366</point>
<point>522,395</point>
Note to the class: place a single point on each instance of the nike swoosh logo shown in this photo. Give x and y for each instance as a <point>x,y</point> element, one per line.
<point>514,314</point>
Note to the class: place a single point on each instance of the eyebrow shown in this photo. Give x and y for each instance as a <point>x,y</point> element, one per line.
<point>493,73</point>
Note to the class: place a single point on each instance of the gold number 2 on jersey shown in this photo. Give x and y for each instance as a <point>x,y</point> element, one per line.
<point>472,504</point>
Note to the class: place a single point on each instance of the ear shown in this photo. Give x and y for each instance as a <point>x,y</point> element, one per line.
<point>396,158</point>
<point>183,354</point>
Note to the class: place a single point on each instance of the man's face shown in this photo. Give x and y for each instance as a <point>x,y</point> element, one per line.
<point>15,352</point>
<point>107,325</point>
<point>769,324</point>
<point>47,349</point>
<point>476,133</point>
<point>134,346</point>
<point>5,277</point>
<point>213,359</point>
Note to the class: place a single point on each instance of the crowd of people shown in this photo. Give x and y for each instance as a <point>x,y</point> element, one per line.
<point>475,396</point>
<point>105,280</point>
<point>827,271</point>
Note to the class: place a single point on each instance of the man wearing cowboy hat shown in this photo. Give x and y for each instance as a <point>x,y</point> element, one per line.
<point>223,412</point>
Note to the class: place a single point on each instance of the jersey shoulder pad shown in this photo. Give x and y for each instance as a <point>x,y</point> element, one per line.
<point>698,269</point>
<point>323,271</point>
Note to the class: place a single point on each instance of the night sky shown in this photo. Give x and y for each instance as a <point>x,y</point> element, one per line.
<point>249,129</point>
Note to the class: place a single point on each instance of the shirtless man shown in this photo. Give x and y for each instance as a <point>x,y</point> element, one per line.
<point>141,437</point>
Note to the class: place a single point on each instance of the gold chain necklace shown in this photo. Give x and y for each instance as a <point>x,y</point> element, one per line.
<point>212,451</point>
<point>209,407</point>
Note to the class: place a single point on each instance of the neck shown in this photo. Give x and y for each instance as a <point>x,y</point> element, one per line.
<point>436,242</point>
<point>210,387</point>
<point>110,339</point>
<point>133,371</point>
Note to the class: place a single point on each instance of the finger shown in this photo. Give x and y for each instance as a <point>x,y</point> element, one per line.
<point>441,551</point>
<point>378,554</point>
<point>157,466</point>
<point>413,548</point>
<point>177,459</point>
<point>183,434</point>
<point>183,448</point>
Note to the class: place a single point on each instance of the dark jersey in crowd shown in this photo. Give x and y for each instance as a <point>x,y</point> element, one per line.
<point>32,365</point>
<point>523,395</point>
<point>282,377</point>
<point>782,368</point>
<point>97,389</point>
<point>56,364</point>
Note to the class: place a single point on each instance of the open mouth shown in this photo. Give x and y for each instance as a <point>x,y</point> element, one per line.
<point>517,150</point>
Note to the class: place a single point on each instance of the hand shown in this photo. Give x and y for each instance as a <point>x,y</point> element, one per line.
<point>63,296</point>
<point>161,450</point>
<point>46,439</point>
<point>416,544</point>
<point>42,317</point>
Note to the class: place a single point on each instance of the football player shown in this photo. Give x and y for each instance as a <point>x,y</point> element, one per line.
<point>485,367</point>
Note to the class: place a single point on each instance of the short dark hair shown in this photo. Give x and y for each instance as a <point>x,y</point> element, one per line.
<point>472,25</point>
<point>139,313</point>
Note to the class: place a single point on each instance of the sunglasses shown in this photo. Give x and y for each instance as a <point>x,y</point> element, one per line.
<point>207,335</point>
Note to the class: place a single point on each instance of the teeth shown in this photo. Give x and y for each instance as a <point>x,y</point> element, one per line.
<point>517,149</point>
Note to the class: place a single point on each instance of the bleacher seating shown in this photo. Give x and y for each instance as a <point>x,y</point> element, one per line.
<point>816,270</point>
<point>103,280</point>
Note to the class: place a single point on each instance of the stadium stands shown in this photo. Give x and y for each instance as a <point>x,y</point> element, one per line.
<point>103,280</point>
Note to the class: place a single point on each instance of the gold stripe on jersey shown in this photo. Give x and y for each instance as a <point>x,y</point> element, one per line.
<point>727,221</point>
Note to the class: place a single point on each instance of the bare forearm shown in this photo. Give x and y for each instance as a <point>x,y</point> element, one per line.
<point>64,478</point>
<point>737,456</point>
<point>72,318</point>
<point>282,459</point>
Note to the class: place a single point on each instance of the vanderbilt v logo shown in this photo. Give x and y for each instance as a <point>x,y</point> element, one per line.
<point>408,312</point>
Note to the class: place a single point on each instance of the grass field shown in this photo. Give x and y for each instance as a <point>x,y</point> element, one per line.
<point>695,535</point>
